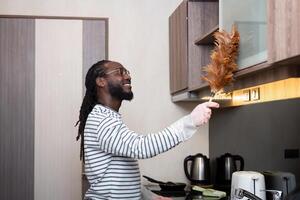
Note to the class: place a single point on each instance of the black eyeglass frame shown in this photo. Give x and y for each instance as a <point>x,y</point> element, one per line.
<point>121,70</point>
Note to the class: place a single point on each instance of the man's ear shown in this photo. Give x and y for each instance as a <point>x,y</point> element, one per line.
<point>101,82</point>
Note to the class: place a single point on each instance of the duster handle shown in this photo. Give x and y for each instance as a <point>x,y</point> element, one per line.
<point>212,95</point>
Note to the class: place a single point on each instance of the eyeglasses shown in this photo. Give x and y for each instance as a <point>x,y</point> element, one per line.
<point>121,71</point>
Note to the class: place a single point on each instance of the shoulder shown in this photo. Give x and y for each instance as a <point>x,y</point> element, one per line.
<point>101,115</point>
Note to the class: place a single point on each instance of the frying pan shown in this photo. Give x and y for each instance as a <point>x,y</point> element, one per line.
<point>167,186</point>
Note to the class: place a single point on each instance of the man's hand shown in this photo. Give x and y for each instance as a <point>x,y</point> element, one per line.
<point>149,195</point>
<point>201,113</point>
<point>162,198</point>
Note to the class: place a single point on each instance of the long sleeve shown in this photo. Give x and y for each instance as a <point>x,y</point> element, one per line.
<point>113,136</point>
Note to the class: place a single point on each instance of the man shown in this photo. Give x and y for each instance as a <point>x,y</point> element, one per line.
<point>109,149</point>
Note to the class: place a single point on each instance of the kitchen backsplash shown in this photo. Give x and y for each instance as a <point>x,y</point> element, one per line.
<point>266,135</point>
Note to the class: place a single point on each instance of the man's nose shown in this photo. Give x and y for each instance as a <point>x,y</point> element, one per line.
<point>127,76</point>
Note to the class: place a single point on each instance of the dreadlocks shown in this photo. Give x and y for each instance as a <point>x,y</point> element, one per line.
<point>89,100</point>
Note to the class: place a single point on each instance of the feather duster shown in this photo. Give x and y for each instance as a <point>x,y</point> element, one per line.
<point>219,72</point>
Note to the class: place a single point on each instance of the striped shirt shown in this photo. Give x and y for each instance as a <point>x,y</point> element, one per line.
<point>111,153</point>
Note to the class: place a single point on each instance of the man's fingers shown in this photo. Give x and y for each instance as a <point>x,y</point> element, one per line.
<point>208,110</point>
<point>163,198</point>
<point>212,105</point>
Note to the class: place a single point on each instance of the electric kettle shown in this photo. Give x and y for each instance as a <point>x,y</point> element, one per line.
<point>198,172</point>
<point>226,165</point>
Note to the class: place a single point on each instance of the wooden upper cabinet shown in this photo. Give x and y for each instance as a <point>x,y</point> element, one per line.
<point>203,17</point>
<point>283,30</point>
<point>178,49</point>
<point>188,21</point>
<point>269,42</point>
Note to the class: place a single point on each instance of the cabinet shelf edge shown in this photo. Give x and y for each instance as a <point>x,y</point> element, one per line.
<point>208,38</point>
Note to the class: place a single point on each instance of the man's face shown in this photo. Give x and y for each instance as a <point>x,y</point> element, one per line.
<point>119,81</point>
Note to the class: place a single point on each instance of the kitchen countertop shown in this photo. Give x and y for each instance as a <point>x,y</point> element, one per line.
<point>180,195</point>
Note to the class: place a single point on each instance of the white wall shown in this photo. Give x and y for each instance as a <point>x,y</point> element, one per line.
<point>138,38</point>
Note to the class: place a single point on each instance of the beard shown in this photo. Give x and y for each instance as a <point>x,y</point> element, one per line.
<point>118,92</point>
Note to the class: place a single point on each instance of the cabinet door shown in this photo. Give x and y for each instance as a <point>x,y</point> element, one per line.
<point>203,16</point>
<point>284,29</point>
<point>250,17</point>
<point>178,49</point>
